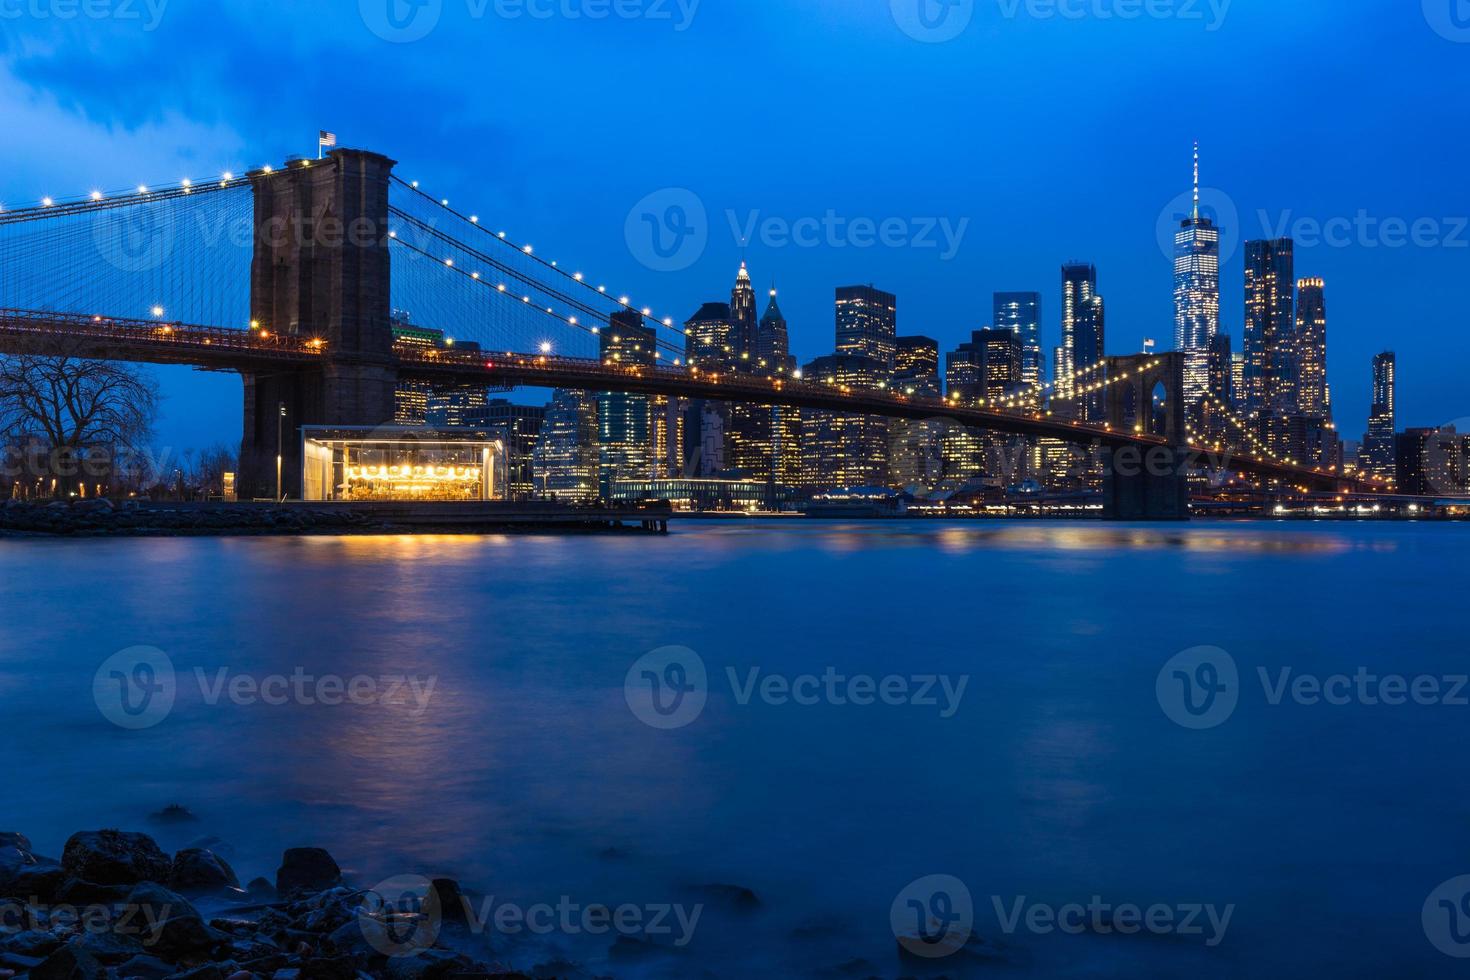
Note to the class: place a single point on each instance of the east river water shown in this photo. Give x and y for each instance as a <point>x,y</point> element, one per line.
<point>852,713</point>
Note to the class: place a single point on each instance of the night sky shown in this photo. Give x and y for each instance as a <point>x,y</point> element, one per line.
<point>1047,136</point>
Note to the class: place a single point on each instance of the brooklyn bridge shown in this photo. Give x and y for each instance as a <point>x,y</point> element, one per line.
<point>290,276</point>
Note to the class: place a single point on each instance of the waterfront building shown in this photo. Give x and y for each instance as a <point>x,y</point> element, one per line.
<point>1270,329</point>
<point>704,495</point>
<point>742,315</point>
<point>1021,314</point>
<point>448,408</point>
<point>867,325</point>
<point>916,366</point>
<point>841,450</point>
<point>772,349</point>
<point>518,428</point>
<point>366,463</point>
<point>1314,395</point>
<point>564,462</point>
<point>1083,339</point>
<point>709,338</point>
<point>1379,449</point>
<point>1432,462</point>
<point>624,421</point>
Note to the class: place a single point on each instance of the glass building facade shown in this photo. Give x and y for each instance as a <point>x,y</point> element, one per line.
<point>1021,314</point>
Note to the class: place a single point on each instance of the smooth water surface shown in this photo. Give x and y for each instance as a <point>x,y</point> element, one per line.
<point>526,775</point>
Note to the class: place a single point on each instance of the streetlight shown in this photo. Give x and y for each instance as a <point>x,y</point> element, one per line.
<point>280,450</point>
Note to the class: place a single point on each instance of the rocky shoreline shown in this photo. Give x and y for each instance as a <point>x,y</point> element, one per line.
<point>116,906</point>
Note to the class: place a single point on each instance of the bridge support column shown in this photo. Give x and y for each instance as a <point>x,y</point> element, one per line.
<point>320,271</point>
<point>1146,485</point>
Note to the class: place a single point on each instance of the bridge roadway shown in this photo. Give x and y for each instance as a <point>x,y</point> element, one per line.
<point>226,349</point>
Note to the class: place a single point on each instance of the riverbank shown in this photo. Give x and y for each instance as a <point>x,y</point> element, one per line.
<point>146,518</point>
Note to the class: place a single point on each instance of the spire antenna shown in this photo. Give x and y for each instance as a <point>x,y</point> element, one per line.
<point>1196,180</point>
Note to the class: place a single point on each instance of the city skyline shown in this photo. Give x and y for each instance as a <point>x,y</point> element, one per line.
<point>1029,208</point>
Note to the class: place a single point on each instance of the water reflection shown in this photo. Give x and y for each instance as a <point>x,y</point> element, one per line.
<point>527,774</point>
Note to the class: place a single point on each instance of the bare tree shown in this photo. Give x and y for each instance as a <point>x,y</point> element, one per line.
<point>75,408</point>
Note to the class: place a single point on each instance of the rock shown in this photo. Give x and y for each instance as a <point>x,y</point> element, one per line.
<point>329,968</point>
<point>146,967</point>
<point>200,870</point>
<point>426,964</point>
<point>113,947</point>
<point>40,881</point>
<point>177,925</point>
<point>206,972</point>
<point>75,891</point>
<point>173,813</point>
<point>450,898</point>
<point>18,841</point>
<point>351,940</point>
<point>12,860</point>
<point>114,857</point>
<point>261,890</point>
<point>309,869</point>
<point>31,943</point>
<point>69,963</point>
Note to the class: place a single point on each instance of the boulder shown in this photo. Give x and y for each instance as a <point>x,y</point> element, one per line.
<point>18,841</point>
<point>195,869</point>
<point>145,967</point>
<point>174,926</point>
<point>31,943</point>
<point>450,899</point>
<point>261,890</point>
<point>41,881</point>
<point>426,964</point>
<point>69,963</point>
<point>307,869</point>
<point>114,857</point>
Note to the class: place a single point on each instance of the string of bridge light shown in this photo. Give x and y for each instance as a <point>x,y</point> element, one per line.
<point>1251,436</point>
<point>510,272</point>
<point>97,199</point>
<point>527,250</point>
<point>502,289</point>
<point>1048,386</point>
<point>1099,386</point>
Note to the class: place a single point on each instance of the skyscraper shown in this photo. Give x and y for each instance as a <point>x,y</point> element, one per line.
<point>1270,329</point>
<point>624,421</point>
<point>1314,397</point>
<point>742,315</point>
<point>916,366</point>
<point>565,458</point>
<point>1021,314</point>
<point>867,324</point>
<point>1196,296</point>
<point>1377,457</point>
<point>1082,327</point>
<point>988,367</point>
<point>709,338</point>
<point>772,349</point>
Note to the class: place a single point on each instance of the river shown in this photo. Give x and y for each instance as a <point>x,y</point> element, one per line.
<point>881,703</point>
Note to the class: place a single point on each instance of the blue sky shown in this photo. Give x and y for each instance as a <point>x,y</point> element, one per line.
<point>1047,130</point>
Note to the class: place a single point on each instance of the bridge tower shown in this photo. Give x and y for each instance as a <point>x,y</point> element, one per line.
<point>1147,484</point>
<point>320,271</point>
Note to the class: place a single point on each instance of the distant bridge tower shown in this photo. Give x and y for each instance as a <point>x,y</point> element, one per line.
<point>1147,484</point>
<point>320,270</point>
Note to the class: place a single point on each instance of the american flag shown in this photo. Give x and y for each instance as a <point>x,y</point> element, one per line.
<point>326,139</point>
